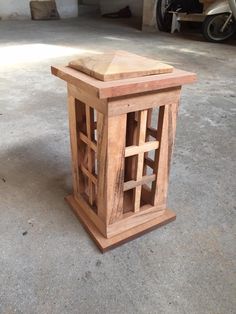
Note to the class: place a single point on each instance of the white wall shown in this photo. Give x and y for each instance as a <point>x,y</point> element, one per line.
<point>19,9</point>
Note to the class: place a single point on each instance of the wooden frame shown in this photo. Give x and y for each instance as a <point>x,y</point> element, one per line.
<point>119,191</point>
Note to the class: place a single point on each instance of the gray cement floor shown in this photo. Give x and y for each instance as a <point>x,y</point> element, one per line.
<point>187,266</point>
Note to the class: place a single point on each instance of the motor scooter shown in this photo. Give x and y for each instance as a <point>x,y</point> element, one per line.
<point>218,17</point>
<point>219,23</point>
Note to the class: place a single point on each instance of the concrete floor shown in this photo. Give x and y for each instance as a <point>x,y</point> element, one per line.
<point>48,264</point>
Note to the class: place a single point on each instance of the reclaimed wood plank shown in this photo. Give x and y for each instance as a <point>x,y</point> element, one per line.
<point>104,90</point>
<point>142,127</point>
<point>145,147</point>
<point>89,126</point>
<point>115,167</point>
<point>132,183</point>
<point>115,65</point>
<point>165,136</point>
<point>105,244</point>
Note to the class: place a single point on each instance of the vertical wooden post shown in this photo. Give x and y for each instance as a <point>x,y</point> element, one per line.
<point>111,152</point>
<point>89,127</point>
<point>142,126</point>
<point>131,138</point>
<point>76,114</point>
<point>165,135</point>
<point>115,167</point>
<point>102,137</point>
<point>149,123</point>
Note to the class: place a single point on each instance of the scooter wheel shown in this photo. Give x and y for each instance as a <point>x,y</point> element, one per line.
<point>163,18</point>
<point>212,25</point>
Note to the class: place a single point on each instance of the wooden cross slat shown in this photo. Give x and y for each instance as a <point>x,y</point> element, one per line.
<point>151,132</point>
<point>149,162</point>
<point>86,140</point>
<point>142,148</point>
<point>133,184</point>
<point>90,176</point>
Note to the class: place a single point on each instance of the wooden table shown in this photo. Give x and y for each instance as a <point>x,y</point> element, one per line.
<point>120,157</point>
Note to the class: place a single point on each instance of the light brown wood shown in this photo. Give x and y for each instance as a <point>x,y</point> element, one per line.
<point>105,90</point>
<point>76,113</point>
<point>86,96</point>
<point>111,166</point>
<point>73,142</point>
<point>142,101</point>
<point>89,126</point>
<point>115,167</point>
<point>133,183</point>
<point>88,174</point>
<point>119,189</point>
<point>142,125</point>
<point>89,142</point>
<point>165,135</point>
<point>117,65</point>
<point>145,147</point>
<point>105,244</point>
<point>102,134</point>
<point>133,219</point>
<point>85,207</point>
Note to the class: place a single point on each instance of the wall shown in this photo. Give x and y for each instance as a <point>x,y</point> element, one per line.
<point>149,15</point>
<point>136,6</point>
<point>19,9</point>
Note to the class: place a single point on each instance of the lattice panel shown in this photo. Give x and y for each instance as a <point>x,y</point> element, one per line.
<point>141,145</point>
<point>141,140</point>
<point>86,128</point>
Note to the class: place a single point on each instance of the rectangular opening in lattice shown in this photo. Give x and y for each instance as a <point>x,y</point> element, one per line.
<point>128,205</point>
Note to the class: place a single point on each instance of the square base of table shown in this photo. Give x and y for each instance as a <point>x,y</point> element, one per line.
<point>105,244</point>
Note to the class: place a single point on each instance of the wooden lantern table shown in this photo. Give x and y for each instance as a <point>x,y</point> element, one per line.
<point>120,155</point>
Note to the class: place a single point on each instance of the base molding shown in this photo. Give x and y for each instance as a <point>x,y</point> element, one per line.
<point>105,244</point>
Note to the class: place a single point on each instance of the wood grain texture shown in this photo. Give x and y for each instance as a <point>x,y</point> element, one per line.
<point>117,198</point>
<point>102,90</point>
<point>88,98</point>
<point>165,135</point>
<point>138,149</point>
<point>142,126</point>
<point>134,183</point>
<point>85,207</point>
<point>142,101</point>
<point>118,65</point>
<point>76,113</point>
<point>111,166</point>
<point>102,138</point>
<point>91,164</point>
<point>115,167</point>
<point>89,142</point>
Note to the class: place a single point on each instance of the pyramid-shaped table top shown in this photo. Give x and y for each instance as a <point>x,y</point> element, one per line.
<point>119,65</point>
